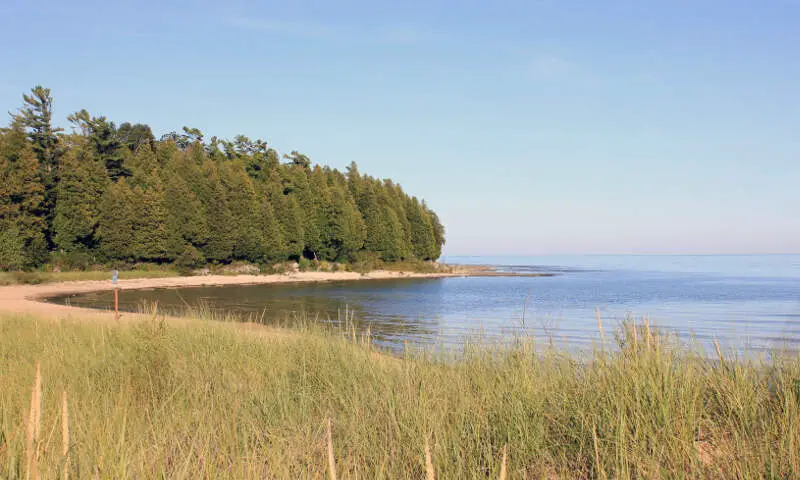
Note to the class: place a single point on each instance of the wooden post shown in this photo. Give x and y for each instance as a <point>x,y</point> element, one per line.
<point>114,275</point>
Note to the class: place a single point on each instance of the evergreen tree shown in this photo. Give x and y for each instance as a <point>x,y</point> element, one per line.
<point>422,238</point>
<point>384,231</point>
<point>438,232</point>
<point>135,136</point>
<point>119,193</point>
<point>150,238</point>
<point>36,115</point>
<point>219,219</point>
<point>347,230</point>
<point>319,214</point>
<point>273,246</point>
<point>21,199</point>
<point>290,216</point>
<point>103,139</point>
<point>115,228</point>
<point>248,240</point>
<point>12,255</point>
<point>186,223</point>
<point>299,187</point>
<point>77,213</point>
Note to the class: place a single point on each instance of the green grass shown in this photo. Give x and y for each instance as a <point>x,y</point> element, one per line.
<point>12,278</point>
<point>216,400</point>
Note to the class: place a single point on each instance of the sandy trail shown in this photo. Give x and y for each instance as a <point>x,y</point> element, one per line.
<point>27,299</point>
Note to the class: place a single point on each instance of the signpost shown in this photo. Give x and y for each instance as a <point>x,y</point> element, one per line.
<point>114,275</point>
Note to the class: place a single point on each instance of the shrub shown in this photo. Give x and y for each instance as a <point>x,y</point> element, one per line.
<point>305,264</point>
<point>188,260</point>
<point>11,246</point>
<point>365,262</point>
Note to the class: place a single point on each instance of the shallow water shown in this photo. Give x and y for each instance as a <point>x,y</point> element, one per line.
<point>749,303</point>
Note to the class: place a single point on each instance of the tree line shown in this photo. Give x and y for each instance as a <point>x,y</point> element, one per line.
<point>107,194</point>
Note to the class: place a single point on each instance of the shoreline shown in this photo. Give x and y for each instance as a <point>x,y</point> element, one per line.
<point>30,299</point>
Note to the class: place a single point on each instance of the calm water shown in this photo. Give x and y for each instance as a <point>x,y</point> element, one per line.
<point>747,302</point>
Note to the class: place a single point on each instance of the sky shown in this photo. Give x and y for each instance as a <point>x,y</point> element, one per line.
<point>530,127</point>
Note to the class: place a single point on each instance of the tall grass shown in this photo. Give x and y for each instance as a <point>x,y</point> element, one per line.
<point>212,400</point>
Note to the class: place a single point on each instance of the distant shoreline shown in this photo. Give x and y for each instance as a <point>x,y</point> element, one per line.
<point>29,299</point>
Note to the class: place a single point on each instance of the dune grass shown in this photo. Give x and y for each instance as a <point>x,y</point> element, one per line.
<point>218,400</point>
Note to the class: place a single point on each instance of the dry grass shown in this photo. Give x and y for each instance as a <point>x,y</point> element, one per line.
<point>208,400</point>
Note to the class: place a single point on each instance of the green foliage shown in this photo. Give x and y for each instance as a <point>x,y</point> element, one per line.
<point>365,261</point>
<point>36,116</point>
<point>189,259</point>
<point>273,245</point>
<point>11,248</point>
<point>423,240</point>
<point>135,136</point>
<point>305,264</point>
<point>117,194</point>
<point>115,229</point>
<point>104,141</point>
<point>219,218</point>
<point>77,213</point>
<point>22,199</point>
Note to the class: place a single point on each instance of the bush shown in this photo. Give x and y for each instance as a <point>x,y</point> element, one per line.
<point>274,269</point>
<point>11,246</point>
<point>365,262</point>
<point>77,260</point>
<point>305,264</point>
<point>188,260</point>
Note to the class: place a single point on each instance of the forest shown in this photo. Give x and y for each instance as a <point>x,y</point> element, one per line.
<point>114,194</point>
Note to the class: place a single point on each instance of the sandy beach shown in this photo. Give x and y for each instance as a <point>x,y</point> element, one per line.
<point>28,299</point>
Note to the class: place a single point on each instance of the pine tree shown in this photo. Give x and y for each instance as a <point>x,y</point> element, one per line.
<point>321,213</point>
<point>273,246</point>
<point>104,142</point>
<point>309,203</point>
<point>290,216</point>
<point>135,136</point>
<point>347,230</point>
<point>186,223</point>
<point>219,219</point>
<point>115,228</point>
<point>36,116</point>
<point>395,200</point>
<point>120,194</point>
<point>438,232</point>
<point>246,213</point>
<point>79,192</point>
<point>384,231</point>
<point>150,238</point>
<point>22,199</point>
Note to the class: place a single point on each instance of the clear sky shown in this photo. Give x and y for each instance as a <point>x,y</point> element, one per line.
<point>531,127</point>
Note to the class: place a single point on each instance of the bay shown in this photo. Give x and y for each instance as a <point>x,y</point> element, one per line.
<point>749,303</point>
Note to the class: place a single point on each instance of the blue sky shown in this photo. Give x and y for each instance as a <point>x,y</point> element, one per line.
<point>531,127</point>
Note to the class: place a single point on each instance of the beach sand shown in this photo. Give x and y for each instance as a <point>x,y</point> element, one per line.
<point>27,299</point>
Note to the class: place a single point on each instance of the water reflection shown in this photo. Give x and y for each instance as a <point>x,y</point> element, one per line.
<point>745,307</point>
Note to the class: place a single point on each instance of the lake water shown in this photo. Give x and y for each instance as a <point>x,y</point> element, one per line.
<point>749,303</point>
